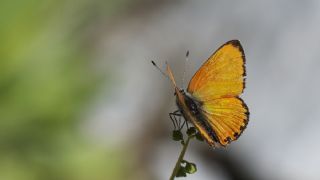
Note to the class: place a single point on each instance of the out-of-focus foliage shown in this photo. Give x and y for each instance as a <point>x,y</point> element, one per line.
<point>46,79</point>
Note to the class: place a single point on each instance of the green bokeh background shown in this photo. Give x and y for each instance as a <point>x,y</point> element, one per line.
<point>47,79</point>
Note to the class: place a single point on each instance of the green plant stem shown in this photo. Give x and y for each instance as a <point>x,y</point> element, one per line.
<point>183,151</point>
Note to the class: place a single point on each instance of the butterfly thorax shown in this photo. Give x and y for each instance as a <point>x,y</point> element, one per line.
<point>192,104</point>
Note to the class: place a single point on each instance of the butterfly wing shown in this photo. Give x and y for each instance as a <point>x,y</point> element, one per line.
<point>217,85</point>
<point>222,75</point>
<point>228,117</point>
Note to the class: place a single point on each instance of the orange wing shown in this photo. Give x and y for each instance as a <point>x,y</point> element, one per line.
<point>228,117</point>
<point>217,85</point>
<point>222,75</point>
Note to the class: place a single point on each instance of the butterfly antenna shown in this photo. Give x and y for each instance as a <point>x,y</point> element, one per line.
<point>170,75</point>
<point>185,68</point>
<point>155,65</point>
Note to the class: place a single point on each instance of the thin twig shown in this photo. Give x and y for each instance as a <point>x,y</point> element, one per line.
<point>178,164</point>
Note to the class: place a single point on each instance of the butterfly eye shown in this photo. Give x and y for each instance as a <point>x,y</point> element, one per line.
<point>181,90</point>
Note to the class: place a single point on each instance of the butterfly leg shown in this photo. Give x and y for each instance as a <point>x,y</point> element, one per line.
<point>176,120</point>
<point>187,124</point>
<point>184,122</point>
<point>173,116</point>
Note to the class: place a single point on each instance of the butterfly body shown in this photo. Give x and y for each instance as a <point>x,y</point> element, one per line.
<point>190,110</point>
<point>192,105</point>
<point>212,103</point>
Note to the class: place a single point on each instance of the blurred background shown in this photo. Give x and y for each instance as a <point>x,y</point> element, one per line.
<point>79,98</point>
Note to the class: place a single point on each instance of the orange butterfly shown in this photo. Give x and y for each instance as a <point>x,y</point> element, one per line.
<point>212,103</point>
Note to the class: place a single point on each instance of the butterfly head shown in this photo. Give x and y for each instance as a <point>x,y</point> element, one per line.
<point>181,91</point>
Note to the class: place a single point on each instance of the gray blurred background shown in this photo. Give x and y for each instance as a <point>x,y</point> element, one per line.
<point>81,100</point>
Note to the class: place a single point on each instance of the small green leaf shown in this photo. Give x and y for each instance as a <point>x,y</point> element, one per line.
<point>190,168</point>
<point>181,172</point>
<point>177,135</point>
<point>199,137</point>
<point>191,131</point>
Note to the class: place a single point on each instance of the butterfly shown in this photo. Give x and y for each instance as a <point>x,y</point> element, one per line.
<point>211,102</point>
